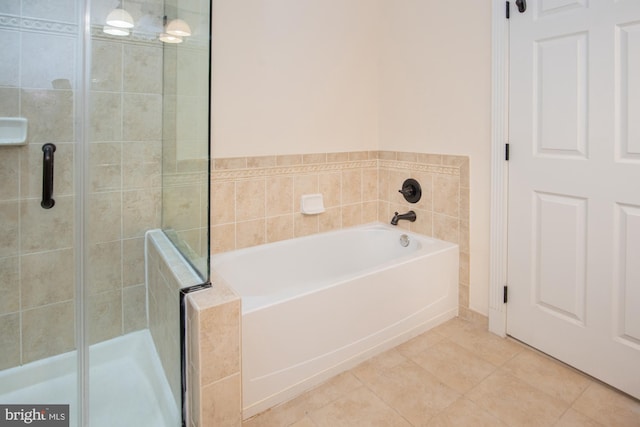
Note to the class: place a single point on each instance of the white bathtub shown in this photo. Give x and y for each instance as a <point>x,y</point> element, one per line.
<point>315,306</point>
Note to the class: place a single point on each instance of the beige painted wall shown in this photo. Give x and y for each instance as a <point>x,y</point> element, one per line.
<point>292,77</point>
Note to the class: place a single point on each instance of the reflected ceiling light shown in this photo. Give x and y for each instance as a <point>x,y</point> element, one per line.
<point>120,18</point>
<point>169,38</point>
<point>178,27</point>
<point>114,31</point>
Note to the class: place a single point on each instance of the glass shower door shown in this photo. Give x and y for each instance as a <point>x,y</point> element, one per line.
<point>39,80</point>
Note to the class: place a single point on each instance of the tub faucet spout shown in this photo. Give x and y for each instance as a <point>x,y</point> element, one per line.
<point>409,216</point>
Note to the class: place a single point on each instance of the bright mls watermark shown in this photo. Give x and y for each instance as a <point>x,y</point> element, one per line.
<point>34,415</point>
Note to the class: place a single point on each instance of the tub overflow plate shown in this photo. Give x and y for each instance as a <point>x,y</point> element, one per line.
<point>404,240</point>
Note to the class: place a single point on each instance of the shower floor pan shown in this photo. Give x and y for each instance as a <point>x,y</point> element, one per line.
<point>127,384</point>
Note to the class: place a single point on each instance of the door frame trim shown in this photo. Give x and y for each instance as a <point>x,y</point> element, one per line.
<point>499,167</point>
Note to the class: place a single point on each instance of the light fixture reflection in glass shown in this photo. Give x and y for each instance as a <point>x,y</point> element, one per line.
<point>120,18</point>
<point>178,27</point>
<point>168,38</point>
<point>115,31</point>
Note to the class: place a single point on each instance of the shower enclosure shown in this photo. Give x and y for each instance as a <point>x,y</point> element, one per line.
<point>113,96</point>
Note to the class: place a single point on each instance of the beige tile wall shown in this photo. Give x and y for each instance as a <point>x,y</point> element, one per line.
<point>37,254</point>
<point>256,200</point>
<point>125,150</point>
<point>36,245</point>
<point>443,210</point>
<point>167,273</point>
<point>185,197</point>
<point>214,377</point>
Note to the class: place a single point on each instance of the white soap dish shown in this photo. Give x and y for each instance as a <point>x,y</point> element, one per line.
<point>311,204</point>
<point>13,130</point>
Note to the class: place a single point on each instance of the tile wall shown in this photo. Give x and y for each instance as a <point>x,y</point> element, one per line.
<point>37,255</point>
<point>167,273</point>
<point>256,200</point>
<point>36,245</point>
<point>213,335</point>
<point>214,377</point>
<point>125,150</point>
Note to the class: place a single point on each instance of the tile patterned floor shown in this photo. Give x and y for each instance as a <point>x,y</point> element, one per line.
<point>457,374</point>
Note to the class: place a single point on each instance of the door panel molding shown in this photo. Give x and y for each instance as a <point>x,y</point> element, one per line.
<point>627,79</point>
<point>627,275</point>
<point>560,255</point>
<point>555,120</point>
<point>550,8</point>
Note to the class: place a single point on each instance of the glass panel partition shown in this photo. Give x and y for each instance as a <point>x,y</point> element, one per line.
<point>185,133</point>
<point>136,102</point>
<point>185,166</point>
<point>127,377</point>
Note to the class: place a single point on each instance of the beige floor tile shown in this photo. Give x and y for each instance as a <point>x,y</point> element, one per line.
<point>256,420</point>
<point>548,375</point>
<point>420,343</point>
<point>376,365</point>
<point>305,422</point>
<point>419,383</point>
<point>515,402</point>
<point>270,419</point>
<point>455,366</point>
<point>482,343</point>
<point>454,327</point>
<point>608,407</point>
<point>282,415</point>
<point>333,389</point>
<point>295,410</point>
<point>413,392</point>
<point>573,418</point>
<point>463,412</point>
<point>359,408</point>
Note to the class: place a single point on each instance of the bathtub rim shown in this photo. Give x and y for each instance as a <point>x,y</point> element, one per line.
<point>248,302</point>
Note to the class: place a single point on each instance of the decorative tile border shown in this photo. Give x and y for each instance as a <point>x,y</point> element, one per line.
<point>419,167</point>
<point>49,26</point>
<point>40,25</point>
<point>135,36</point>
<point>12,22</point>
<point>233,174</point>
<point>9,21</point>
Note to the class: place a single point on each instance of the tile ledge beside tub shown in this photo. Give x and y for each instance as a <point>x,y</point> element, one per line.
<point>213,334</point>
<point>213,347</point>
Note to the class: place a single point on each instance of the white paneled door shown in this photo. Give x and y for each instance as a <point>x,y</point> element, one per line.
<point>574,184</point>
